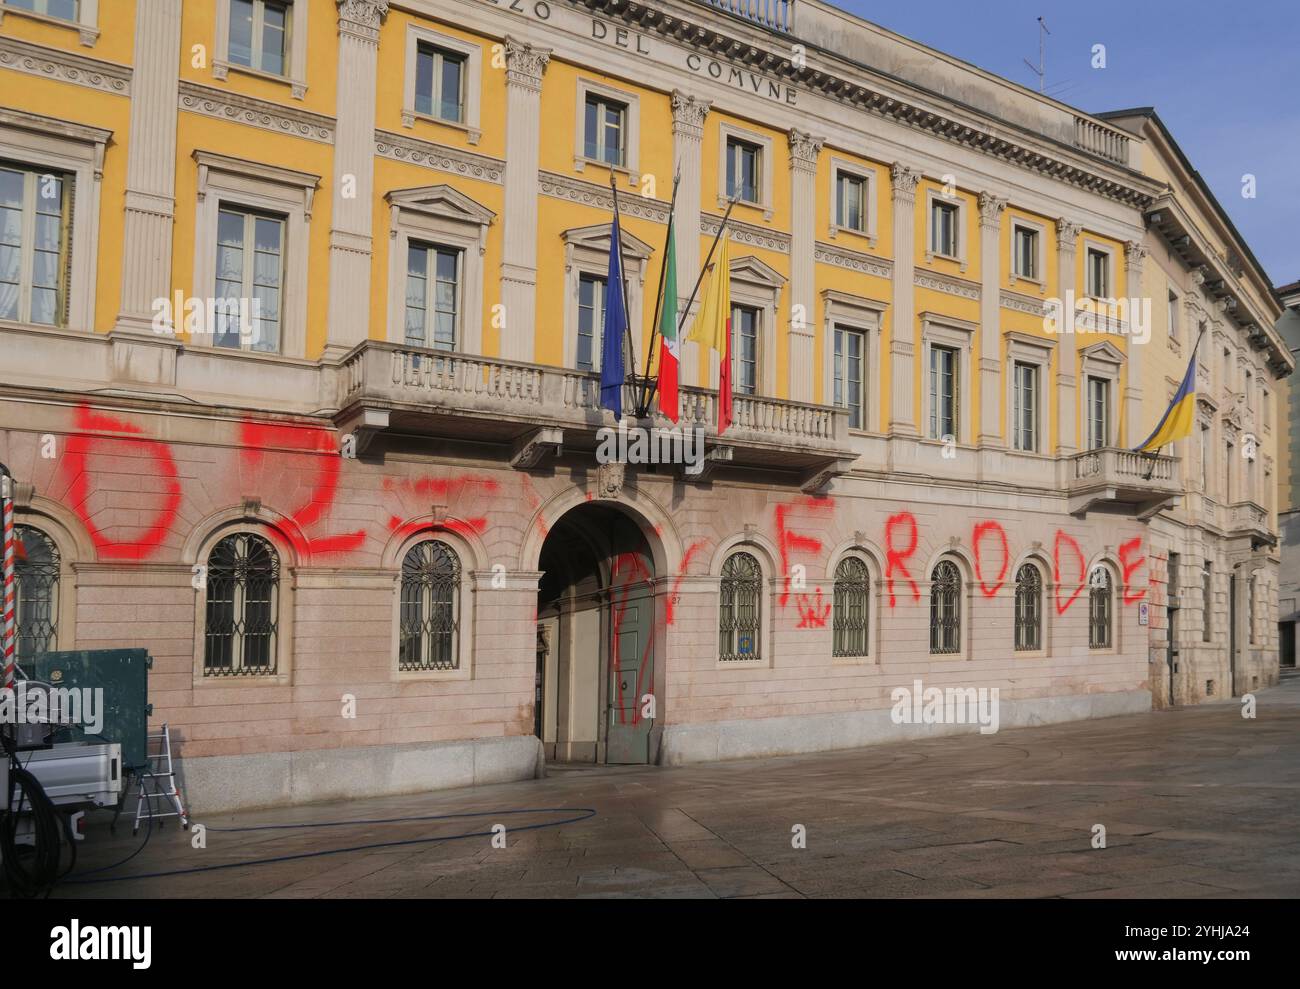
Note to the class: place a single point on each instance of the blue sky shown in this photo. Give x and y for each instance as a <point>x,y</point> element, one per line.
<point>1224,75</point>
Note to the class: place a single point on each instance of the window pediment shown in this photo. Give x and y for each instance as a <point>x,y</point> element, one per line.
<point>443,202</point>
<point>1104,352</point>
<point>595,238</point>
<point>750,269</point>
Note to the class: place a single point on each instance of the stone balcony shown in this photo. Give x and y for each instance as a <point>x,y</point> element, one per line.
<point>1121,480</point>
<point>1246,518</point>
<point>535,412</point>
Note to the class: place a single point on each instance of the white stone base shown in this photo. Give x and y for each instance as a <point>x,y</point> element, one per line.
<point>758,738</point>
<point>276,779</point>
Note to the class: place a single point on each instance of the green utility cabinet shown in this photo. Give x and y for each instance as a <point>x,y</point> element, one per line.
<point>123,675</point>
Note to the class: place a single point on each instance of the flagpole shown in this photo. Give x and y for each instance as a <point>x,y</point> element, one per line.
<point>681,319</point>
<point>643,403</point>
<point>627,313</point>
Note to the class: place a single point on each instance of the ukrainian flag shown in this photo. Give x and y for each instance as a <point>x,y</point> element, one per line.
<point>1178,418</point>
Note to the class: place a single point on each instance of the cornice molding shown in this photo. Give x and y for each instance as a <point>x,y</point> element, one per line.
<point>400,147</point>
<point>1022,303</point>
<point>223,105</point>
<point>590,194</point>
<point>53,63</point>
<point>746,233</point>
<point>766,51</point>
<point>842,257</point>
<point>959,287</point>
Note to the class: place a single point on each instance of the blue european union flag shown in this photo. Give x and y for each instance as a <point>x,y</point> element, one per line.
<point>615,329</point>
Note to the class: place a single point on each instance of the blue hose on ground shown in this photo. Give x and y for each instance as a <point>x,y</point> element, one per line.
<point>584,813</point>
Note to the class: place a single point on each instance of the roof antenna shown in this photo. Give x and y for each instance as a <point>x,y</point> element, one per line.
<point>1041,70</point>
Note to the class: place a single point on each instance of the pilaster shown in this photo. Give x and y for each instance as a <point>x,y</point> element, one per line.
<point>151,165</point>
<point>902,347</point>
<point>354,158</point>
<point>688,137</point>
<point>990,367</point>
<point>524,68</point>
<point>1134,256</point>
<point>804,150</point>
<point>1067,406</point>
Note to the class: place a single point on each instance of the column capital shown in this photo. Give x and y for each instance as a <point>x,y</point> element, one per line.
<point>1067,233</point>
<point>991,208</point>
<point>362,17</point>
<point>804,149</point>
<point>525,64</point>
<point>1134,253</point>
<point>689,113</point>
<point>905,178</point>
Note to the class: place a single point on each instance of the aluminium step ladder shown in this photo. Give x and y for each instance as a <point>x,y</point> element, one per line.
<point>157,784</point>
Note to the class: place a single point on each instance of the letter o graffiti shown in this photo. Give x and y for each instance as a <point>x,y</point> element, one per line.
<point>977,535</point>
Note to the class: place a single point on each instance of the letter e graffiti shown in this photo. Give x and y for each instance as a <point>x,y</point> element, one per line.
<point>1128,566</point>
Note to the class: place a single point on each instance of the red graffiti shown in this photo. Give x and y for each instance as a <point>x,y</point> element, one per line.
<point>257,438</point>
<point>813,611</point>
<point>160,466</point>
<point>1125,549</point>
<point>1070,541</point>
<point>671,603</point>
<point>787,541</point>
<point>978,534</point>
<point>894,556</point>
<point>634,573</point>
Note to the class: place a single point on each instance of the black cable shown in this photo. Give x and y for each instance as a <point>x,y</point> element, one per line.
<point>40,876</point>
<point>585,813</point>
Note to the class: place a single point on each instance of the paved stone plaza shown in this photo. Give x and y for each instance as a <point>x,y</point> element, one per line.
<point>1197,802</point>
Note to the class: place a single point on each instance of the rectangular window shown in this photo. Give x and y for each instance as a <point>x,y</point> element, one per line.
<point>64,10</point>
<point>1206,450</point>
<point>1098,413</point>
<point>1207,599</point>
<point>1173,315</point>
<point>1026,252</point>
<point>943,392</point>
<point>744,350</point>
<point>35,245</point>
<point>851,202</point>
<point>1098,274</point>
<point>433,277</point>
<point>1025,406</point>
<point>591,321</point>
<point>604,130</point>
<point>259,34</point>
<point>744,161</point>
<point>850,348</point>
<point>943,229</point>
<point>440,83</point>
<point>250,279</point>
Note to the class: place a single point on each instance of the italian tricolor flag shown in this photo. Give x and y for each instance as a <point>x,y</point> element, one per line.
<point>669,355</point>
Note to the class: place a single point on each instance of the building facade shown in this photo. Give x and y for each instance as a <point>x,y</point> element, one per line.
<point>1288,485</point>
<point>301,313</point>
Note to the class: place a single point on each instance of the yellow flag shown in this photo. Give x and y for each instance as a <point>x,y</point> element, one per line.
<point>710,327</point>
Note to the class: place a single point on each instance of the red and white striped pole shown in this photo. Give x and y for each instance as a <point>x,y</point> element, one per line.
<point>10,589</point>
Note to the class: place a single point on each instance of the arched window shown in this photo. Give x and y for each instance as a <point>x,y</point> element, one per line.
<point>741,608</point>
<point>1029,609</point>
<point>849,614</point>
<point>430,615</point>
<point>1100,597</point>
<point>36,592</point>
<point>243,603</point>
<point>945,608</point>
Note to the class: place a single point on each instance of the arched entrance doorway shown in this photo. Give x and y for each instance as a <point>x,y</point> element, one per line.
<point>600,639</point>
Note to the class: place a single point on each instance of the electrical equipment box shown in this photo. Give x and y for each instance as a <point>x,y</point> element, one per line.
<point>123,677</point>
